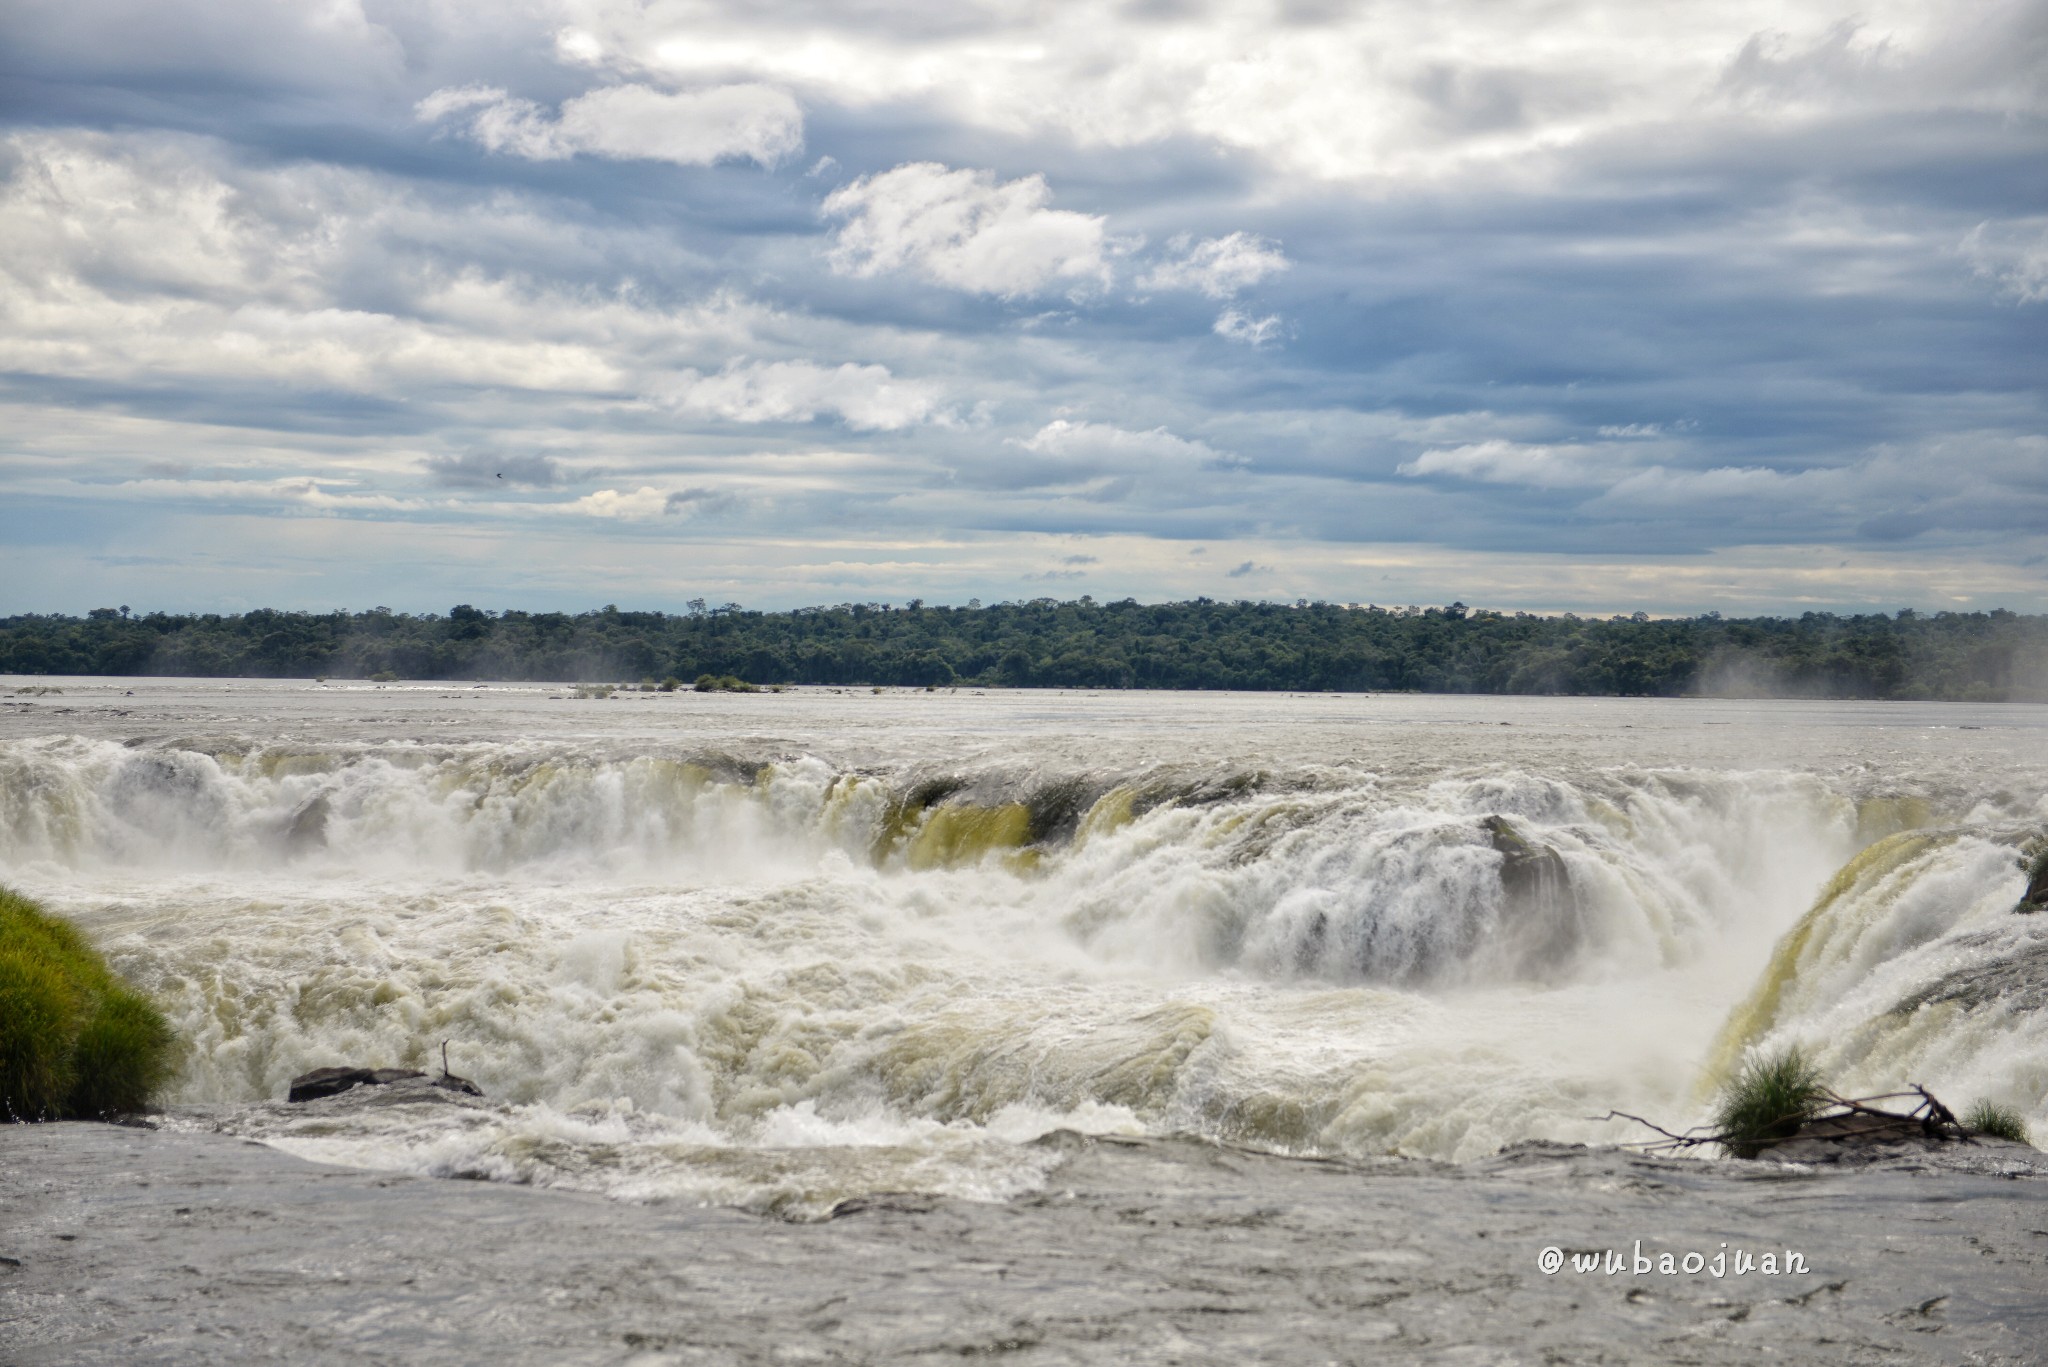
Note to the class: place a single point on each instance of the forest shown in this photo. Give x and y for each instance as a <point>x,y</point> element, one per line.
<point>1957,656</point>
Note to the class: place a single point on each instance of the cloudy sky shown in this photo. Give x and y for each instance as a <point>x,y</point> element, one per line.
<point>1550,304</point>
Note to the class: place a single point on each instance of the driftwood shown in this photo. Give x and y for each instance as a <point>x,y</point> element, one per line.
<point>1839,1120</point>
<point>452,1082</point>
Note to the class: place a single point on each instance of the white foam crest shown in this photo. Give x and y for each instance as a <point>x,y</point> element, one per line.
<point>401,807</point>
<point>797,1162</point>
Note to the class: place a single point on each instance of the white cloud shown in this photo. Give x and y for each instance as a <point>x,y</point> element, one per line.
<point>154,340</point>
<point>1660,488</point>
<point>1218,266</point>
<point>964,229</point>
<point>1101,460</point>
<point>1242,327</point>
<point>864,397</point>
<point>152,260</point>
<point>1117,445</point>
<point>747,122</point>
<point>155,214</point>
<point>1381,92</point>
<point>2014,253</point>
<point>1507,462</point>
<point>637,505</point>
<point>296,494</point>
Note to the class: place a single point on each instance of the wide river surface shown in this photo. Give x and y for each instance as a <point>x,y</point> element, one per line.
<point>783,949</point>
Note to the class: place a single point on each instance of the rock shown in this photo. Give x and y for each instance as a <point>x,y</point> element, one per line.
<point>1851,1140</point>
<point>326,1082</point>
<point>1530,871</point>
<point>334,1081</point>
<point>2017,979</point>
<point>1539,892</point>
<point>308,830</point>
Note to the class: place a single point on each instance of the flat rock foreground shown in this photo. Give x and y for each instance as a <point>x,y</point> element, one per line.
<point>137,1246</point>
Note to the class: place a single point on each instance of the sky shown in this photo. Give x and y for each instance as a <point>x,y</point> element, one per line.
<point>1545,305</point>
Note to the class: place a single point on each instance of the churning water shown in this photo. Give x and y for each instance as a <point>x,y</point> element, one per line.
<point>782,949</point>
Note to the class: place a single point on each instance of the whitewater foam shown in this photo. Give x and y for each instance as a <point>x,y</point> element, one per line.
<point>721,962</point>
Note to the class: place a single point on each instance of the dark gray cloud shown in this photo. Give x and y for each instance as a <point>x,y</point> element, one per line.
<point>700,502</point>
<point>480,470</point>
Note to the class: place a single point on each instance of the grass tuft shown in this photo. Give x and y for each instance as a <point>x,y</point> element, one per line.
<point>2000,1122</point>
<point>37,1006</point>
<point>122,1055</point>
<point>1768,1100</point>
<point>75,1041</point>
<point>2035,898</point>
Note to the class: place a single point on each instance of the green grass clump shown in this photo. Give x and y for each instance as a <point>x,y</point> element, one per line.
<point>75,1041</point>
<point>2000,1122</point>
<point>724,683</point>
<point>2035,898</point>
<point>1768,1100</point>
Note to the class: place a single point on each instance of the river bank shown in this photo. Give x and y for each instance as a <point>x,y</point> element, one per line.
<point>132,1245</point>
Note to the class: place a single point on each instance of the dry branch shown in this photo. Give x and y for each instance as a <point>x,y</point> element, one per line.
<point>1930,1118</point>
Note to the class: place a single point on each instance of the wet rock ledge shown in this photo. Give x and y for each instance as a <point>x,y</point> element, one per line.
<point>322,1083</point>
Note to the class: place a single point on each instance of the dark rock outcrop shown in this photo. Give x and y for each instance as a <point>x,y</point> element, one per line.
<point>323,1082</point>
<point>1542,904</point>
<point>326,1082</point>
<point>308,830</point>
<point>1851,1140</point>
<point>1529,870</point>
<point>448,1082</point>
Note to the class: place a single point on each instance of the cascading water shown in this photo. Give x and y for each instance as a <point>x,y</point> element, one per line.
<point>784,968</point>
<point>1913,965</point>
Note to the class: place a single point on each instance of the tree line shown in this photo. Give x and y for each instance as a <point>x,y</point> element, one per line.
<point>1963,656</point>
